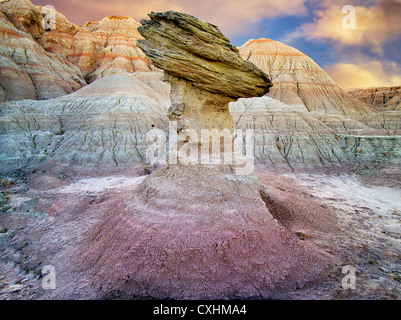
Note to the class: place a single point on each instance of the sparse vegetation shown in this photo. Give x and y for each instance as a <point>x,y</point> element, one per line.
<point>3,199</point>
<point>279,146</point>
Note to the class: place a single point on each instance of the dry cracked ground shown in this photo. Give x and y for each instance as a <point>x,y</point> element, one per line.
<point>45,215</point>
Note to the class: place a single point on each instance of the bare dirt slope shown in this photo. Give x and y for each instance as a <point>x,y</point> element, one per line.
<point>47,216</point>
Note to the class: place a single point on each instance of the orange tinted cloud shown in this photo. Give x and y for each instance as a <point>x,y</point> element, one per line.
<point>375,25</point>
<point>231,16</point>
<point>365,74</point>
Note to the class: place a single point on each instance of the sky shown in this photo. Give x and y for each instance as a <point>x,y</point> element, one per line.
<point>357,42</point>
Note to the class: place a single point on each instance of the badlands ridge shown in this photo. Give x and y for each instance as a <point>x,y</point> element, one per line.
<point>88,95</point>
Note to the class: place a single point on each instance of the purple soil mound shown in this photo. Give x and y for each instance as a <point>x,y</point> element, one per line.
<point>233,248</point>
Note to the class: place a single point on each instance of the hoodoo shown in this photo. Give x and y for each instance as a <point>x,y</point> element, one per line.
<point>204,69</point>
<point>197,231</point>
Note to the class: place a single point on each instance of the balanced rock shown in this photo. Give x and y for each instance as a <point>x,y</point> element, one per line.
<point>186,47</point>
<point>205,71</point>
<point>196,231</point>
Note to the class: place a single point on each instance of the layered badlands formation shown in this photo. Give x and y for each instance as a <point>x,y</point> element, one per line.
<point>99,48</point>
<point>316,124</point>
<point>388,98</point>
<point>285,137</point>
<point>104,123</point>
<point>298,80</point>
<point>104,95</point>
<point>27,71</point>
<point>39,62</point>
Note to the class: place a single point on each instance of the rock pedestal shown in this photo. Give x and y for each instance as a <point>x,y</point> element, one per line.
<point>197,231</point>
<point>205,72</point>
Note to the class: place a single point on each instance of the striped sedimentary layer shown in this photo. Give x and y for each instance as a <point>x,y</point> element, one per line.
<point>40,61</point>
<point>319,123</point>
<point>100,48</point>
<point>286,136</point>
<point>298,80</point>
<point>104,123</point>
<point>27,71</point>
<point>316,123</point>
<point>388,98</point>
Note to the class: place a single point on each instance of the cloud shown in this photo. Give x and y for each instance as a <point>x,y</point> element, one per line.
<point>376,25</point>
<point>365,74</point>
<point>233,17</point>
<point>362,53</point>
